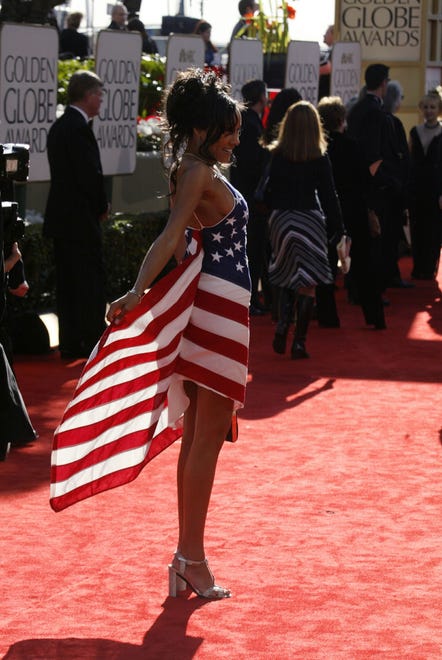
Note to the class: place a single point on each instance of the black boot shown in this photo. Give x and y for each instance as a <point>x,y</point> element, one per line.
<point>304,309</point>
<point>286,303</point>
<point>326,310</point>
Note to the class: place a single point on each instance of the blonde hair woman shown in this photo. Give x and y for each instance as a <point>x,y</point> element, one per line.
<point>306,216</point>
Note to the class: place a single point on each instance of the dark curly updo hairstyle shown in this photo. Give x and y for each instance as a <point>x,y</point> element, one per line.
<point>197,99</point>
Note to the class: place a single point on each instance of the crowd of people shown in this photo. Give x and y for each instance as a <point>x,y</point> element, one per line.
<point>331,171</point>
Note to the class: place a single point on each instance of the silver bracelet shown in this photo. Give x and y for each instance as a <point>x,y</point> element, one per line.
<point>138,295</point>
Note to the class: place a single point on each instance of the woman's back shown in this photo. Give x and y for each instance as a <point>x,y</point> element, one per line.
<point>293,184</point>
<point>301,184</point>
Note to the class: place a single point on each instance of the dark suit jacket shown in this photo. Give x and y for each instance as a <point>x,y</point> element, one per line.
<point>374,132</point>
<point>367,125</point>
<point>401,155</point>
<point>74,42</point>
<point>352,182</point>
<point>76,196</point>
<point>114,26</point>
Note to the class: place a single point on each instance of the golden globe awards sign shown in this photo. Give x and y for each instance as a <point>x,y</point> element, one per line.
<point>117,64</point>
<point>345,70</point>
<point>184,51</point>
<point>386,29</point>
<point>28,90</point>
<point>302,69</point>
<point>245,63</point>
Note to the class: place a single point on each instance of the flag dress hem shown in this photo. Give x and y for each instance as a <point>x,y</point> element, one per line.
<point>129,402</point>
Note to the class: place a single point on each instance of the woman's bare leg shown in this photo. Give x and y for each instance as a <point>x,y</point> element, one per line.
<point>212,418</point>
<point>186,443</point>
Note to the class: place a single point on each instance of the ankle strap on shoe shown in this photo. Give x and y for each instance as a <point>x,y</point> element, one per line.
<point>189,562</point>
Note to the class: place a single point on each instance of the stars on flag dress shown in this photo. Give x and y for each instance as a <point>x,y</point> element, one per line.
<point>128,405</point>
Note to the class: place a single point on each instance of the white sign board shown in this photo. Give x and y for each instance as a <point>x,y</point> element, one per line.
<point>388,30</point>
<point>184,51</point>
<point>345,70</point>
<point>245,63</point>
<point>117,64</point>
<point>302,69</point>
<point>28,90</point>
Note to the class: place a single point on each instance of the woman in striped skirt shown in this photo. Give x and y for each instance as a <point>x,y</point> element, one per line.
<point>306,217</point>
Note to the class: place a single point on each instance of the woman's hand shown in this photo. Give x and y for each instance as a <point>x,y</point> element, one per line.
<point>21,290</point>
<point>374,225</point>
<point>119,308</point>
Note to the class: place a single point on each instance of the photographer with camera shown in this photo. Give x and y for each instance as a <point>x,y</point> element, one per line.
<point>15,425</point>
<point>15,284</point>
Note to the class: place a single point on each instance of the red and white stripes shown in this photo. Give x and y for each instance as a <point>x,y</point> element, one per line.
<point>186,327</point>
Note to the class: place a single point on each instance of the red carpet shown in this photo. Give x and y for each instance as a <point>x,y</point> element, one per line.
<point>325,519</point>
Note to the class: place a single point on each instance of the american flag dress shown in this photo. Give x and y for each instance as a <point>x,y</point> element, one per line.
<point>128,405</point>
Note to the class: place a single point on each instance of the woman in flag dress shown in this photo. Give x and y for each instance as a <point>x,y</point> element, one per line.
<point>306,216</point>
<point>204,120</point>
<point>173,362</point>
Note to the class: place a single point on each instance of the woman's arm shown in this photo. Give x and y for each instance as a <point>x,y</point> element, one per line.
<point>192,182</point>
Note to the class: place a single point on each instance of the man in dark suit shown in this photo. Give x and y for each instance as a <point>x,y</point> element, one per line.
<point>76,206</point>
<point>352,179</point>
<point>372,129</point>
<point>250,158</point>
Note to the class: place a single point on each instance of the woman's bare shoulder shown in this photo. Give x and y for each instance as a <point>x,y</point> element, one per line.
<point>196,170</point>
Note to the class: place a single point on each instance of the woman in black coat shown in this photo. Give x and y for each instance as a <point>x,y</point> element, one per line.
<point>279,106</point>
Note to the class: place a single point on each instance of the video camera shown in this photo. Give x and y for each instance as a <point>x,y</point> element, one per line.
<point>13,226</point>
<point>14,166</point>
<point>14,162</point>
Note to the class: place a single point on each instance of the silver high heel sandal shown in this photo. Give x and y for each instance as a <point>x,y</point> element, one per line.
<point>177,580</point>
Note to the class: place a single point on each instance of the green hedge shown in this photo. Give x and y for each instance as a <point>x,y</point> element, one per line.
<point>126,240</point>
